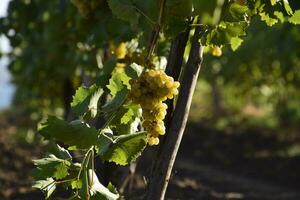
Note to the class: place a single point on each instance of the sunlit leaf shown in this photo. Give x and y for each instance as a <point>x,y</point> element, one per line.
<point>86,100</point>
<point>295,19</point>
<point>235,43</point>
<point>48,186</point>
<point>126,148</point>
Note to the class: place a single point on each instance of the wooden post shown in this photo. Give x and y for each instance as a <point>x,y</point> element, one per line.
<point>162,168</point>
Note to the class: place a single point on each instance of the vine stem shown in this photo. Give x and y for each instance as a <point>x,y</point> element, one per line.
<point>156,31</point>
<point>164,163</point>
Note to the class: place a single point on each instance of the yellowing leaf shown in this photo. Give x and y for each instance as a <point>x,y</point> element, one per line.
<point>235,43</point>
<point>295,19</point>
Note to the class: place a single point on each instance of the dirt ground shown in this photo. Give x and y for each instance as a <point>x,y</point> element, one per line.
<point>224,167</point>
<point>210,165</point>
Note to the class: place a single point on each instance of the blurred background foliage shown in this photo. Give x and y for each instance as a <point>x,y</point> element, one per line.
<point>259,83</point>
<point>54,49</point>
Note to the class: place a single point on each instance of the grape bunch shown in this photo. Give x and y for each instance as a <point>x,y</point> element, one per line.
<point>150,90</point>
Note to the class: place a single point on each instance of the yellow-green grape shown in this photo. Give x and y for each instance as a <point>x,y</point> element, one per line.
<point>155,86</point>
<point>154,127</point>
<point>150,90</point>
<point>158,112</point>
<point>119,50</point>
<point>153,140</point>
<point>216,51</point>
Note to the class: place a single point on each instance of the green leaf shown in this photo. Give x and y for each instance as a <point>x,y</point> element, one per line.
<point>48,186</point>
<point>149,11</point>
<point>266,18</point>
<point>125,10</point>
<point>224,32</point>
<point>76,184</point>
<point>179,8</point>
<point>86,100</point>
<point>117,82</point>
<point>279,16</point>
<point>287,7</point>
<point>112,188</point>
<point>60,152</point>
<point>205,9</point>
<point>134,70</point>
<point>116,102</point>
<point>51,167</point>
<point>126,148</point>
<point>235,43</point>
<point>126,119</point>
<point>75,133</point>
<point>128,116</point>
<point>273,2</point>
<point>93,106</point>
<point>105,73</point>
<point>295,19</point>
<point>105,140</point>
<point>61,171</point>
<point>99,191</point>
<point>238,12</point>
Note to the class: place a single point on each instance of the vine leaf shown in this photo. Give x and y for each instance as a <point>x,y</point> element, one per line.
<point>238,12</point>
<point>86,100</point>
<point>126,119</point>
<point>60,152</point>
<point>270,21</point>
<point>287,7</point>
<point>129,115</point>
<point>75,133</point>
<point>48,186</point>
<point>89,185</point>
<point>105,140</point>
<point>76,184</point>
<point>134,70</point>
<point>179,8</point>
<point>295,19</point>
<point>61,170</point>
<point>112,188</point>
<point>119,87</point>
<point>235,43</point>
<point>118,82</point>
<point>105,73</point>
<point>205,9</point>
<point>126,148</point>
<point>225,31</point>
<point>99,191</point>
<point>51,167</point>
<point>125,10</point>
<point>115,103</point>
